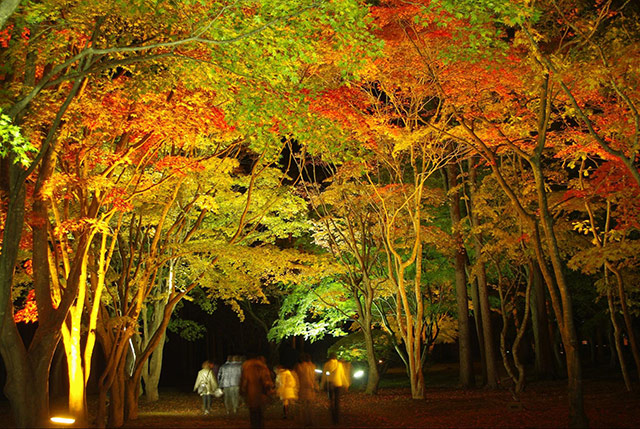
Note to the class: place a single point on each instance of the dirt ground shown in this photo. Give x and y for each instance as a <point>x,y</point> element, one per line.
<point>542,405</point>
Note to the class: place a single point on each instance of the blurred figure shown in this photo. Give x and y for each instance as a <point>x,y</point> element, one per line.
<point>205,385</point>
<point>256,386</point>
<point>229,376</point>
<point>286,388</point>
<point>334,379</point>
<point>306,372</point>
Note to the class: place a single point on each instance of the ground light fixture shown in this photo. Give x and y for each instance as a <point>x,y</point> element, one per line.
<point>63,420</point>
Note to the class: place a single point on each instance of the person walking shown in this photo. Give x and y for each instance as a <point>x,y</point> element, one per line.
<point>205,385</point>
<point>306,372</point>
<point>334,379</point>
<point>287,388</point>
<point>229,376</point>
<point>256,386</point>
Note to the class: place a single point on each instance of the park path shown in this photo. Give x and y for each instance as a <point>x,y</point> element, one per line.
<point>542,405</point>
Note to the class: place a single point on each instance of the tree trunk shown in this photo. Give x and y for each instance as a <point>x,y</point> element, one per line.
<point>13,225</point>
<point>627,318</point>
<point>151,376</point>
<point>117,397</point>
<point>618,345</point>
<point>364,308</point>
<point>477,319</point>
<point>460,258</point>
<point>131,389</point>
<point>77,392</point>
<point>483,291</point>
<point>600,344</point>
<point>373,377</point>
<point>7,7</point>
<point>27,386</point>
<point>577,416</point>
<point>544,365</point>
<point>101,413</point>
<point>415,375</point>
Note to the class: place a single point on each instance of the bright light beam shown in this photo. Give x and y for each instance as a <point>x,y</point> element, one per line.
<point>63,420</point>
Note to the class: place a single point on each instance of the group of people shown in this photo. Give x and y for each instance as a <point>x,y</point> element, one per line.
<point>255,383</point>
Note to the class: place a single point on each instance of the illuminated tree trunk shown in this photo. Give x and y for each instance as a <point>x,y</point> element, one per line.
<point>411,325</point>
<point>77,397</point>
<point>72,338</point>
<point>412,342</point>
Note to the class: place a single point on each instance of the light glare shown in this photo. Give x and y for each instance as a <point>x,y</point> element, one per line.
<point>358,373</point>
<point>63,420</point>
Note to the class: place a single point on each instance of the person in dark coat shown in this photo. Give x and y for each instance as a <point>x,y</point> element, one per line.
<point>256,386</point>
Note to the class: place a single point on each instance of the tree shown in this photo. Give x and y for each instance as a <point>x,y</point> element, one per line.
<point>609,216</point>
<point>91,41</point>
<point>6,10</point>
<point>349,230</point>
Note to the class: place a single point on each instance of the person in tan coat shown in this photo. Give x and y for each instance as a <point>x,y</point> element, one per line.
<point>287,388</point>
<point>306,372</point>
<point>335,380</point>
<point>256,386</point>
<point>206,385</point>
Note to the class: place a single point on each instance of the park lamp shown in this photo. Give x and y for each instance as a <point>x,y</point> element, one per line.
<point>63,420</point>
<point>358,374</point>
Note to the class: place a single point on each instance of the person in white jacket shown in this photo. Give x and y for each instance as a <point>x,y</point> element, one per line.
<point>205,385</point>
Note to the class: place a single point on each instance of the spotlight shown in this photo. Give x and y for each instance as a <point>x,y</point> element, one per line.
<point>358,374</point>
<point>63,420</point>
